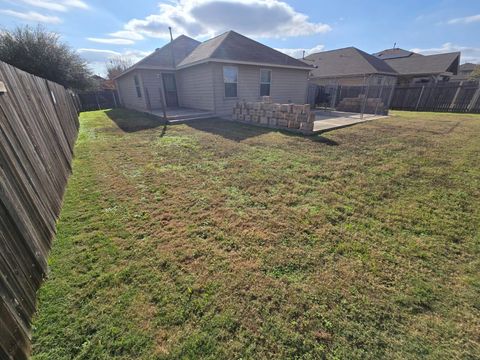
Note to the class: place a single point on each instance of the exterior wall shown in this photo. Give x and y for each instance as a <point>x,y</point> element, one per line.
<point>287,85</point>
<point>128,94</point>
<point>356,80</point>
<point>152,84</point>
<point>195,87</point>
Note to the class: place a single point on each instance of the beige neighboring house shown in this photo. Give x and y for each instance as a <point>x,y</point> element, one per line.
<point>414,68</point>
<point>349,67</point>
<point>212,75</point>
<point>464,72</point>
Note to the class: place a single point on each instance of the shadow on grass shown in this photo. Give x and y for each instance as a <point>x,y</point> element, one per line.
<point>132,121</point>
<point>228,129</point>
<point>238,131</point>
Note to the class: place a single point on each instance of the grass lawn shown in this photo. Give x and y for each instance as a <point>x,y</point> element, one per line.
<point>218,240</point>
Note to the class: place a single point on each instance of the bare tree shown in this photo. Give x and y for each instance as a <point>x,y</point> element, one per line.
<point>118,64</point>
<point>475,75</point>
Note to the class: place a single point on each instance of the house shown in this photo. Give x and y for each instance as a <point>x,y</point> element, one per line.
<point>464,72</point>
<point>349,66</point>
<point>212,75</point>
<point>100,83</point>
<point>413,68</point>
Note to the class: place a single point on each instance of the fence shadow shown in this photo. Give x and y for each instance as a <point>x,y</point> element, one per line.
<point>228,129</point>
<point>238,131</point>
<point>132,121</point>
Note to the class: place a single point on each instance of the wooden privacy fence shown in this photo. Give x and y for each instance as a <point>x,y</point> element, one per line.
<point>38,128</point>
<point>447,97</point>
<point>97,100</point>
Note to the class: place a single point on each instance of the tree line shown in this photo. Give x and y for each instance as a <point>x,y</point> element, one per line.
<point>42,53</point>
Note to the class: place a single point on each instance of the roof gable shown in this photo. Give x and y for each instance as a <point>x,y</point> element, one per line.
<point>348,61</point>
<point>164,57</point>
<point>234,47</point>
<point>181,46</point>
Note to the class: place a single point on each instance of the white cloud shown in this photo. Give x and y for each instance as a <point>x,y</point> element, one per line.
<point>469,54</point>
<point>124,34</point>
<point>297,53</point>
<point>465,20</point>
<point>114,41</point>
<point>56,5</point>
<point>32,16</point>
<point>201,18</point>
<point>98,58</point>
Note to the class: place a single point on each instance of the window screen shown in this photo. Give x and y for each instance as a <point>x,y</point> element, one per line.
<point>265,81</point>
<point>230,80</point>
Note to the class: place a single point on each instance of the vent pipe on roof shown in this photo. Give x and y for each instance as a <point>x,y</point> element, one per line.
<point>303,56</point>
<point>171,47</point>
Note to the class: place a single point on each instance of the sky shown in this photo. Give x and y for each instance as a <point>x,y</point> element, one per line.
<point>102,29</point>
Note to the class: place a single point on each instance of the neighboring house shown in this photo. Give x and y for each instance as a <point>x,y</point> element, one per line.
<point>464,72</point>
<point>100,83</point>
<point>413,68</point>
<point>349,66</point>
<point>212,75</point>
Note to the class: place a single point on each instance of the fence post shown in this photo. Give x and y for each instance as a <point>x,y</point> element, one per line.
<point>474,98</point>
<point>164,104</point>
<point>454,100</point>
<point>367,87</point>
<point>379,97</point>
<point>114,99</point>
<point>420,97</point>
<point>96,99</point>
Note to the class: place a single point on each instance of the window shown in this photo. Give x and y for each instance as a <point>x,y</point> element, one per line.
<point>230,79</point>
<point>265,80</point>
<point>137,86</point>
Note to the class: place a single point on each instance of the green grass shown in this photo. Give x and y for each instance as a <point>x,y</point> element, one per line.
<point>217,240</point>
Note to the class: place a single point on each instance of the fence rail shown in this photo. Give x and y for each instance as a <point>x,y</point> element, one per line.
<point>38,128</point>
<point>441,97</point>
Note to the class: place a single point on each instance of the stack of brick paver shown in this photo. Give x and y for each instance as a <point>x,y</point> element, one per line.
<point>284,116</point>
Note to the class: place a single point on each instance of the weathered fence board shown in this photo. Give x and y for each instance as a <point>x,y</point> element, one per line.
<point>38,129</point>
<point>441,97</point>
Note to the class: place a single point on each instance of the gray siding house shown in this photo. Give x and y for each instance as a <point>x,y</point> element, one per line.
<point>349,67</point>
<point>212,75</point>
<point>414,68</point>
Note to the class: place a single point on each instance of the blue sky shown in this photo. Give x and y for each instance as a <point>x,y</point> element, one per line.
<point>100,29</point>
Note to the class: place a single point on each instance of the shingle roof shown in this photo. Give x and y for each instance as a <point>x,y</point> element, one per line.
<point>467,67</point>
<point>182,46</point>
<point>235,47</point>
<point>162,57</point>
<point>431,64</point>
<point>348,61</point>
<point>393,53</point>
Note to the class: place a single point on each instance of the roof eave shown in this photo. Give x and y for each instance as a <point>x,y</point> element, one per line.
<point>353,75</point>
<point>143,67</point>
<point>203,61</point>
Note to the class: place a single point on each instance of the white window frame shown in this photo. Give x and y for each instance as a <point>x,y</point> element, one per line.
<point>264,83</point>
<point>224,83</point>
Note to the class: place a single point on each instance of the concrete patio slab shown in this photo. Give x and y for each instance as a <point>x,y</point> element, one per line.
<point>331,120</point>
<point>180,115</point>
